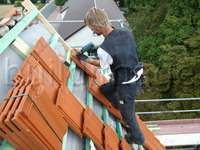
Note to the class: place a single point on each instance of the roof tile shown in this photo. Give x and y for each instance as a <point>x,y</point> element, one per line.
<point>71,109</point>
<point>7,132</point>
<point>50,61</point>
<point>111,141</point>
<point>28,118</point>
<point>124,145</point>
<point>88,68</point>
<point>11,113</point>
<point>93,127</point>
<point>33,67</point>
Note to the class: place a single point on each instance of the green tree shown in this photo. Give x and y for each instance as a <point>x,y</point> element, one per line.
<point>43,1</point>
<point>19,4</point>
<point>34,1</point>
<point>60,2</point>
<point>12,1</point>
<point>167,34</point>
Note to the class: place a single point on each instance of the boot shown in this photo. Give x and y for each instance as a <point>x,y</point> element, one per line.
<point>134,137</point>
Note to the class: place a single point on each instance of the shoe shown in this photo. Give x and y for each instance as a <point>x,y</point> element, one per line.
<point>130,140</point>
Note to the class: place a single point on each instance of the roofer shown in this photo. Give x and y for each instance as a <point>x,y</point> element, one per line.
<point>119,52</point>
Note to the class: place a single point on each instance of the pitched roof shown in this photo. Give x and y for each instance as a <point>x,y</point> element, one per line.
<point>76,10</point>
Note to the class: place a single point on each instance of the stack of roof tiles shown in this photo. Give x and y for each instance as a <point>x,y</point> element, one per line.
<point>29,118</point>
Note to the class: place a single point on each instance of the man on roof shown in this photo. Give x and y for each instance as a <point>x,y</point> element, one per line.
<point>119,52</point>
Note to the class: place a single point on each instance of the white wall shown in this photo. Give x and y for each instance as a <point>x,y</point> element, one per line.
<point>83,37</point>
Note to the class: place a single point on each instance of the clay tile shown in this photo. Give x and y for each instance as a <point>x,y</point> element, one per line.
<point>9,123</point>
<point>93,88</point>
<point>48,127</point>
<point>50,61</point>
<point>7,132</point>
<point>101,79</point>
<point>9,95</point>
<point>93,127</point>
<point>111,140</point>
<point>71,109</point>
<point>32,67</point>
<point>88,68</point>
<point>124,145</point>
<point>13,140</point>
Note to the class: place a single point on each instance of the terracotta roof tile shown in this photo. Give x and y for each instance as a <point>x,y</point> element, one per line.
<point>88,68</point>
<point>11,113</point>
<point>71,109</point>
<point>24,126</point>
<point>17,82</point>
<point>124,145</point>
<point>50,61</point>
<point>93,128</point>
<point>7,132</point>
<point>33,67</point>
<point>27,117</point>
<point>111,140</point>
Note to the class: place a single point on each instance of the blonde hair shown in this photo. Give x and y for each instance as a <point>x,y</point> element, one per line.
<point>96,16</point>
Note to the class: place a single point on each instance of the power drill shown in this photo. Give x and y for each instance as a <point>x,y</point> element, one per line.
<point>86,47</point>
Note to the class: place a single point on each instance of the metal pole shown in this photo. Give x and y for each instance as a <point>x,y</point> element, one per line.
<point>173,111</point>
<point>164,100</point>
<point>120,21</point>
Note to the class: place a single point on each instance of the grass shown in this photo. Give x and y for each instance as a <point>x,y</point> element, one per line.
<point>4,9</point>
<point>41,5</point>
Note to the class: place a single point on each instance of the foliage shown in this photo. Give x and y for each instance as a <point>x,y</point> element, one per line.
<point>43,1</point>
<point>18,4</point>
<point>41,6</point>
<point>12,1</point>
<point>34,1</point>
<point>167,34</point>
<point>60,2</point>
<point>3,1</point>
<point>156,23</point>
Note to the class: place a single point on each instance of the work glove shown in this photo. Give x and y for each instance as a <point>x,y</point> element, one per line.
<point>81,56</point>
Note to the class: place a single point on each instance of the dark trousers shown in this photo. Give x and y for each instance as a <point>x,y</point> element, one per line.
<point>122,96</point>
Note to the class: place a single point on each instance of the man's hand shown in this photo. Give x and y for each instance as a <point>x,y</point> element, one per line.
<point>82,57</point>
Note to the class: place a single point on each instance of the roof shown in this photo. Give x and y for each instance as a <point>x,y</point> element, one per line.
<point>76,10</point>
<point>49,100</point>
